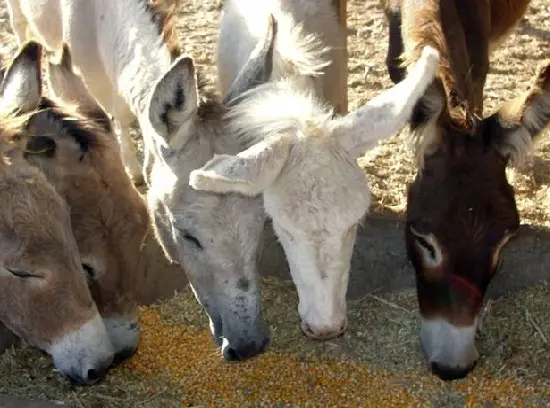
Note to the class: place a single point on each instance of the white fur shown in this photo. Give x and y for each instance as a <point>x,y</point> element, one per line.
<point>304,162</point>
<point>449,346</point>
<point>87,348</point>
<point>309,44</point>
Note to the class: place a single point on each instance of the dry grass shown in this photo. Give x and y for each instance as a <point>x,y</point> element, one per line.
<point>378,361</point>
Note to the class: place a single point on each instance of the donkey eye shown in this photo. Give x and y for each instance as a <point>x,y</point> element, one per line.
<point>426,245</point>
<point>90,272</point>
<point>194,240</point>
<point>22,274</point>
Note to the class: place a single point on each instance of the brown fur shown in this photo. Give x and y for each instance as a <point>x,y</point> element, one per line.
<point>462,30</point>
<point>164,15</point>
<point>75,148</point>
<point>108,214</point>
<point>460,197</point>
<point>36,237</point>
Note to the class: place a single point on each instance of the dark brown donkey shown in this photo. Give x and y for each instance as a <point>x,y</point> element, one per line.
<point>74,146</point>
<point>461,211</point>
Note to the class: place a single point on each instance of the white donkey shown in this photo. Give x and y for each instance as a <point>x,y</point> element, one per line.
<point>301,25</point>
<point>304,163</point>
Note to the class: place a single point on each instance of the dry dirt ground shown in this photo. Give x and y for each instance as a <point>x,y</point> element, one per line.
<point>378,362</point>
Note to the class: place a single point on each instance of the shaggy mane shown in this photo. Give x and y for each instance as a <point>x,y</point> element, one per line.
<point>430,29</point>
<point>164,15</point>
<point>299,53</point>
<point>276,108</point>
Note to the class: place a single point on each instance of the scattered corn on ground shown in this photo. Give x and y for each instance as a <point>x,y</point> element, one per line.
<point>377,363</point>
<point>286,379</point>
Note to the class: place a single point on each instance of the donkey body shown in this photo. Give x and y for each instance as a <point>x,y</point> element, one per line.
<point>77,151</point>
<point>301,24</point>
<point>461,210</point>
<point>45,299</point>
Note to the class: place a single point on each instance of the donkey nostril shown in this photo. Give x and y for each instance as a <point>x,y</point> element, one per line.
<point>123,355</point>
<point>133,326</point>
<point>450,373</point>
<point>307,329</point>
<point>93,375</point>
<point>229,354</point>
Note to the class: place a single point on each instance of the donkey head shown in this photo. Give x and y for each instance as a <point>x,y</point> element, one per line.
<point>75,149</point>
<point>45,297</point>
<point>461,213</point>
<point>216,238</point>
<point>305,165</point>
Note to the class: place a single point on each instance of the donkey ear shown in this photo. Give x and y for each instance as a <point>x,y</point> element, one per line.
<point>388,112</point>
<point>259,66</point>
<point>66,84</point>
<point>249,172</point>
<point>523,119</point>
<point>174,99</point>
<point>21,89</point>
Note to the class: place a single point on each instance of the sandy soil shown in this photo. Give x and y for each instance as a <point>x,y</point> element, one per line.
<point>389,166</point>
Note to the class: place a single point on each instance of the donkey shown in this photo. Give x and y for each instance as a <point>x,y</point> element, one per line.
<point>105,47</point>
<point>76,149</point>
<point>304,164</point>
<point>301,25</point>
<point>461,211</point>
<point>215,238</point>
<point>45,298</point>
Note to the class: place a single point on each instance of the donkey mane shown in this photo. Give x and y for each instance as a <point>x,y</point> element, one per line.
<point>163,13</point>
<point>210,105</point>
<point>433,26</point>
<point>276,108</point>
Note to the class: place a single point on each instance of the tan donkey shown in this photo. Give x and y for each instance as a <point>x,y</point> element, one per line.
<point>75,148</point>
<point>45,299</point>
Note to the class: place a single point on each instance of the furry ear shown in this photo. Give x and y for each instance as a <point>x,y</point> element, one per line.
<point>21,89</point>
<point>66,85</point>
<point>259,66</point>
<point>250,172</point>
<point>174,100</point>
<point>388,112</point>
<point>523,119</point>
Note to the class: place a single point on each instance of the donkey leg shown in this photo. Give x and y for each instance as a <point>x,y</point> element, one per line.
<point>128,152</point>
<point>19,23</point>
<point>395,45</point>
<point>123,119</point>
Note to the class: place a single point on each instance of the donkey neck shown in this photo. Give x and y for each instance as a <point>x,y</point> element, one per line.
<point>138,51</point>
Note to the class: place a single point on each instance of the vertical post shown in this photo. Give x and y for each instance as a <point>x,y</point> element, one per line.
<point>341,11</point>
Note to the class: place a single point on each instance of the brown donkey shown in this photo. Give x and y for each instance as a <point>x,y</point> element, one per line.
<point>77,151</point>
<point>461,211</point>
<point>45,299</point>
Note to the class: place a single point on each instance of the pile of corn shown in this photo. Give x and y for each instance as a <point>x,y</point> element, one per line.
<point>190,359</point>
